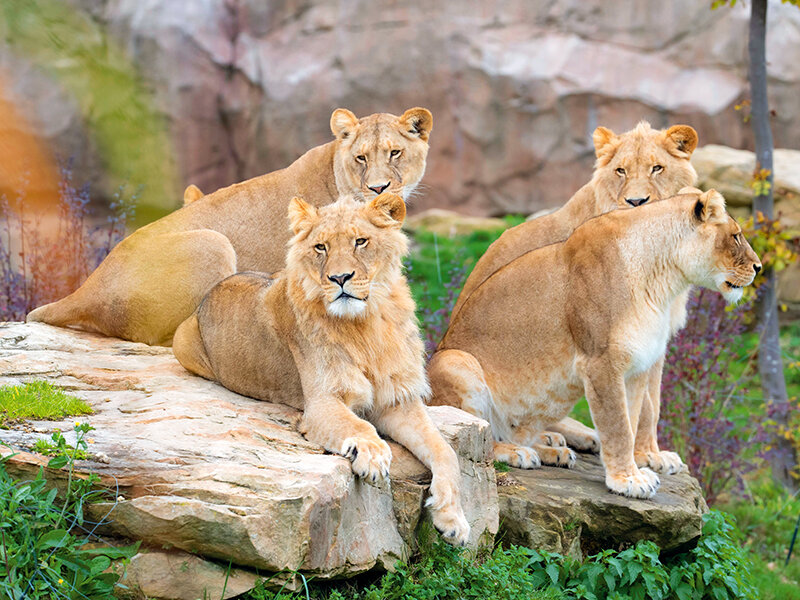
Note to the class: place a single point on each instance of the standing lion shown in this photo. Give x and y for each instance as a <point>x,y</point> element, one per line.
<point>335,335</point>
<point>156,277</point>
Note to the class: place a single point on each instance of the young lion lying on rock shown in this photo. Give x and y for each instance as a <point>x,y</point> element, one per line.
<point>608,290</point>
<point>335,334</point>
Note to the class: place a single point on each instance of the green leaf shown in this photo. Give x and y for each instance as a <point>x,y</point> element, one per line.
<point>112,552</point>
<point>553,571</point>
<point>57,462</point>
<point>57,538</point>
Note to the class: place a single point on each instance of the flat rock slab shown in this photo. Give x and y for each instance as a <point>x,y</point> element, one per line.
<point>571,511</point>
<point>207,471</point>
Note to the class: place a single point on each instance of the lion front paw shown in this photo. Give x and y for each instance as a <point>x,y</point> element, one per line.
<point>665,462</point>
<point>521,457</point>
<point>643,483</point>
<point>370,458</point>
<point>446,512</point>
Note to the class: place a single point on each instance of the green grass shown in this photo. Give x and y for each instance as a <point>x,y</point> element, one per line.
<point>433,258</point>
<point>38,400</point>
<point>767,521</point>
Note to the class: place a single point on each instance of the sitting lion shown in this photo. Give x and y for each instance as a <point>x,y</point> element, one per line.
<point>335,334</point>
<point>633,168</point>
<point>607,293</point>
<point>156,277</point>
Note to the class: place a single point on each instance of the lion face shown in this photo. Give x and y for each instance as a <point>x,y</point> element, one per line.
<point>642,165</point>
<point>347,254</point>
<point>722,259</point>
<point>380,153</point>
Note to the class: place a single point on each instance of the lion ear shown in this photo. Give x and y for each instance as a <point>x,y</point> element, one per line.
<point>343,122</point>
<point>417,121</point>
<point>192,193</point>
<point>680,140</point>
<point>603,139</point>
<point>302,215</point>
<point>387,210</point>
<point>710,206</point>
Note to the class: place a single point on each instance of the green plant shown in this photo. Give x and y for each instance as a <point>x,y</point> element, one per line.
<point>42,553</point>
<point>716,569</point>
<point>59,447</point>
<point>38,400</point>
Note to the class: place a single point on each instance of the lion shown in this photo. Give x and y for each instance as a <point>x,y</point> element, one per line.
<point>633,168</point>
<point>522,367</point>
<point>335,335</point>
<point>156,277</point>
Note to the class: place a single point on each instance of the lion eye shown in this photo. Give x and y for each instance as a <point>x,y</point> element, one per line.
<point>320,248</point>
<point>737,237</point>
<point>657,168</point>
<point>395,153</point>
<point>362,159</point>
<point>620,171</point>
<point>361,242</point>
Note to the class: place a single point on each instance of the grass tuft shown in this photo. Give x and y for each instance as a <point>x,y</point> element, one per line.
<point>38,400</point>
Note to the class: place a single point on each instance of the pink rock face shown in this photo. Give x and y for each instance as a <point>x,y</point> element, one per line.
<point>516,88</point>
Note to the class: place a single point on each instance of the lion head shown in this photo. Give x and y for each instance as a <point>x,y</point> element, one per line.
<point>347,255</point>
<point>380,153</point>
<point>642,165</point>
<point>719,257</point>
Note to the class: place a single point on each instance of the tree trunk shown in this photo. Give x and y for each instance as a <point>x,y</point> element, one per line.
<point>770,364</point>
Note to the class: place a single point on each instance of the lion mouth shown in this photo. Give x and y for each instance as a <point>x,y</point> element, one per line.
<point>345,296</point>
<point>733,286</point>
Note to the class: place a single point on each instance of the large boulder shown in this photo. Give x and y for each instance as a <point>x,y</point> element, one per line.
<point>201,469</point>
<point>572,512</point>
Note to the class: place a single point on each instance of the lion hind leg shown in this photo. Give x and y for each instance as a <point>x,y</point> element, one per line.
<point>188,348</point>
<point>69,311</point>
<point>577,435</point>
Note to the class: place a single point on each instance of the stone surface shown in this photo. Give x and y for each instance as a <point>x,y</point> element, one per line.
<point>516,87</point>
<point>572,511</point>
<point>730,171</point>
<point>176,575</point>
<point>448,223</point>
<point>201,469</point>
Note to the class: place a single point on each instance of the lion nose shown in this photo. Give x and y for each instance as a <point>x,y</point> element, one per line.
<point>341,279</point>
<point>637,201</point>
<point>378,188</point>
<point>756,268</point>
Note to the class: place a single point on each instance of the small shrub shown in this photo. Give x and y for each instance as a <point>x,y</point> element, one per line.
<point>42,553</point>
<point>716,569</point>
<point>36,267</point>
<point>699,390</point>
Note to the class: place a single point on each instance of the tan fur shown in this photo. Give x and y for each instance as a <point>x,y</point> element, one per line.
<point>191,194</point>
<point>156,277</point>
<point>336,335</point>
<point>637,151</point>
<point>580,317</point>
